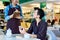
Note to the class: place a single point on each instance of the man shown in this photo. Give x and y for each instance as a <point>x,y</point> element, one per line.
<point>13,3</point>
<point>9,12</point>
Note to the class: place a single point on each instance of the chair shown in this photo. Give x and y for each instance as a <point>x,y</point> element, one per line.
<point>1,32</point>
<point>51,35</point>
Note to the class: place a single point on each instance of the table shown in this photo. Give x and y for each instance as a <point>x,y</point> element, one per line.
<point>14,37</point>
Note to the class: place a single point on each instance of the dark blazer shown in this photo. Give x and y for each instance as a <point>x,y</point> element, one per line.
<point>39,30</point>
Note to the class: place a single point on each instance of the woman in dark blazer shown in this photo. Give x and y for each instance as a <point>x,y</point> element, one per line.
<point>38,27</point>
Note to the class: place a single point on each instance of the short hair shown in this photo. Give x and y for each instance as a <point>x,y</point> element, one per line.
<point>53,22</point>
<point>40,12</point>
<point>36,8</point>
<point>48,21</point>
<point>2,21</point>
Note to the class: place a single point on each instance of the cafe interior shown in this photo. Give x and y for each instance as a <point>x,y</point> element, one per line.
<point>51,9</point>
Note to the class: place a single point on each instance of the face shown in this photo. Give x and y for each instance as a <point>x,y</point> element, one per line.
<point>15,1</point>
<point>35,14</point>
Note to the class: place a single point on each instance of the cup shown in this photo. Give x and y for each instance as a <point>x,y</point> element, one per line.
<point>26,35</point>
<point>20,28</point>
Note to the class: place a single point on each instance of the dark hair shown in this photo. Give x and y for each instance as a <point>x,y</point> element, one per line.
<point>53,21</point>
<point>40,12</point>
<point>1,21</point>
<point>59,20</point>
<point>48,21</point>
<point>36,8</point>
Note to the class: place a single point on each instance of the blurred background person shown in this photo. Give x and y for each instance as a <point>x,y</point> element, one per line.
<point>56,25</point>
<point>1,24</point>
<point>49,23</point>
<point>53,22</point>
<point>59,21</point>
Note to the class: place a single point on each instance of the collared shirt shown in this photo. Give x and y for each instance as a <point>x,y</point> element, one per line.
<point>39,30</point>
<point>7,17</point>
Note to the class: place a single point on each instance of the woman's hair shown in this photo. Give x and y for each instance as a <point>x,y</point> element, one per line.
<point>40,12</point>
<point>16,14</point>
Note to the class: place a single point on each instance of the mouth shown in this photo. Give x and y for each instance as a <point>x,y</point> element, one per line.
<point>17,2</point>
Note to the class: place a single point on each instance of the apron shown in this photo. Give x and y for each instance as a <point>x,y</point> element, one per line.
<point>13,23</point>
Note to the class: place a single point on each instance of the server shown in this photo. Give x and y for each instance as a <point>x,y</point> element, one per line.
<point>8,11</point>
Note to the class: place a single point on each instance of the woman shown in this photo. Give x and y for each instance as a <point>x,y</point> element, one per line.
<point>38,27</point>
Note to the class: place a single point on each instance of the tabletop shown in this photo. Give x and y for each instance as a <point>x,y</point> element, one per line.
<point>16,37</point>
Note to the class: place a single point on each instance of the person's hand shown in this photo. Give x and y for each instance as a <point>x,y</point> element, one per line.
<point>11,16</point>
<point>33,36</point>
<point>22,31</point>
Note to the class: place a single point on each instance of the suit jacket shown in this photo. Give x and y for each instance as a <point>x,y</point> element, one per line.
<point>39,30</point>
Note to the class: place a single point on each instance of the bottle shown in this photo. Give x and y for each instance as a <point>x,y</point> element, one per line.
<point>9,33</point>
